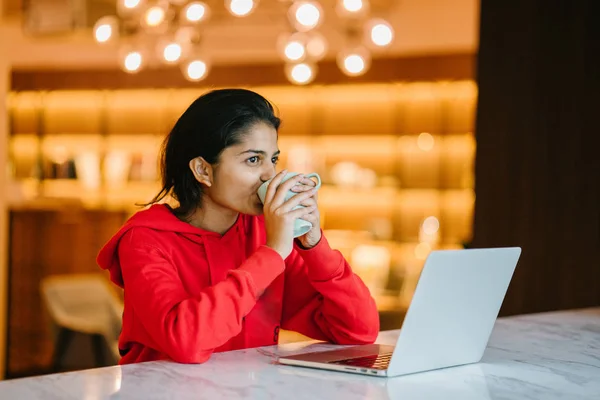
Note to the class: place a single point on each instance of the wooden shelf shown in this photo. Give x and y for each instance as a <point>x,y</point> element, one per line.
<point>410,143</point>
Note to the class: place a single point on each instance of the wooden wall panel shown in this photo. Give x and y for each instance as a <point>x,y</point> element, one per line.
<point>357,110</point>
<point>537,166</point>
<point>421,108</point>
<point>422,68</point>
<point>72,112</point>
<point>24,112</point>
<point>44,243</point>
<point>294,107</point>
<point>137,112</point>
<point>460,103</point>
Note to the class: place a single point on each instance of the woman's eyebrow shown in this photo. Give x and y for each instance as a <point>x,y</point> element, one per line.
<point>261,152</point>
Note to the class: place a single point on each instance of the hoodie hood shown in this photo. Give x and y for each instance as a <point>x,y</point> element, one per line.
<point>158,217</point>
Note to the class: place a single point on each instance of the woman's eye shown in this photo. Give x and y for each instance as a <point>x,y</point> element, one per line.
<point>253,160</point>
<point>275,160</point>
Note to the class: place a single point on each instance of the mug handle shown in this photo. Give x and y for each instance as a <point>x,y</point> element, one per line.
<point>314,175</point>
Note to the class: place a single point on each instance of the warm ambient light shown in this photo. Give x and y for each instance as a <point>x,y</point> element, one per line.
<point>294,50</point>
<point>172,52</point>
<point>130,7</point>
<point>103,33</point>
<point>130,4</point>
<point>149,21</point>
<point>195,12</point>
<point>105,29</point>
<point>301,74</point>
<point>431,225</point>
<point>355,9</point>
<point>422,251</point>
<point>308,15</point>
<point>354,62</point>
<point>133,61</point>
<point>196,70</point>
<point>155,16</point>
<point>305,15</point>
<point>381,33</point>
<point>425,141</point>
<point>316,46</point>
<point>240,8</point>
<point>352,5</point>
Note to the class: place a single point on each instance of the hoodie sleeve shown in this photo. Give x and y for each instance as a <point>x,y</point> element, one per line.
<point>325,300</point>
<point>188,329</point>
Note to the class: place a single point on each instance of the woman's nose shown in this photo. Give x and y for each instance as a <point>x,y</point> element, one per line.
<point>265,178</point>
<point>268,174</point>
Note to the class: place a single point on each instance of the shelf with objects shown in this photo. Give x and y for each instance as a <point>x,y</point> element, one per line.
<point>396,161</point>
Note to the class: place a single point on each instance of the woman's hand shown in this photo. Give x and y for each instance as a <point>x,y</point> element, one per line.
<point>311,238</point>
<point>280,215</point>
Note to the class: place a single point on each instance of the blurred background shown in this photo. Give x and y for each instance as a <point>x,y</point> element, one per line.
<point>435,124</point>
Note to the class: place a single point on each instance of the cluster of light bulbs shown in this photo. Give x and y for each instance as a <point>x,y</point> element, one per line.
<point>301,49</point>
<point>155,20</point>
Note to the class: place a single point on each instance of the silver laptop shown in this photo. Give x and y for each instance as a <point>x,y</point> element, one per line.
<point>449,321</point>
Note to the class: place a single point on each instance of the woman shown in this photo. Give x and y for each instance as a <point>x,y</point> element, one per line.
<point>221,271</point>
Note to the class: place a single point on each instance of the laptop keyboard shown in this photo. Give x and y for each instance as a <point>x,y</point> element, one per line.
<point>380,361</point>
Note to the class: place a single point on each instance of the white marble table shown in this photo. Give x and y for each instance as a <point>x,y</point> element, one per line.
<point>541,356</point>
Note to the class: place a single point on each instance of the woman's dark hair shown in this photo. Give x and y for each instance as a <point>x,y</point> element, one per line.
<point>214,121</point>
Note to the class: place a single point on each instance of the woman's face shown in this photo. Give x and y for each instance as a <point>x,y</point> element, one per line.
<point>242,168</point>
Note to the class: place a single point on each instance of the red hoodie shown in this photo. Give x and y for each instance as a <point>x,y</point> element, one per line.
<point>190,292</point>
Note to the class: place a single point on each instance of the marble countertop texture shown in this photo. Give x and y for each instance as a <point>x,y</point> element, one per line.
<point>545,356</point>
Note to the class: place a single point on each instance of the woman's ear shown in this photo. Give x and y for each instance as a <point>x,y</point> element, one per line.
<point>202,171</point>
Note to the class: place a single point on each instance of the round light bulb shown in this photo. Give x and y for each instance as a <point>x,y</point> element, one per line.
<point>308,15</point>
<point>353,9</point>
<point>294,51</point>
<point>155,16</point>
<point>352,5</point>
<point>131,4</point>
<point>301,73</point>
<point>195,12</point>
<point>196,70</point>
<point>133,61</point>
<point>128,8</point>
<point>106,29</point>
<point>172,52</point>
<point>355,62</point>
<point>103,33</point>
<point>241,8</point>
<point>382,34</point>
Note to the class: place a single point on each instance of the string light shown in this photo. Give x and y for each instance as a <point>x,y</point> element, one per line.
<point>301,73</point>
<point>240,8</point>
<point>301,49</point>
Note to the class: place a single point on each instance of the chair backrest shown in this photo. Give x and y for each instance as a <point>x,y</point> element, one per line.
<point>83,303</point>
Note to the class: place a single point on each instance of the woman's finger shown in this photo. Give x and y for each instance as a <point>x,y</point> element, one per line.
<point>294,201</point>
<point>309,182</point>
<point>272,188</point>
<point>302,187</point>
<point>312,216</point>
<point>309,202</point>
<point>282,190</point>
<point>302,212</point>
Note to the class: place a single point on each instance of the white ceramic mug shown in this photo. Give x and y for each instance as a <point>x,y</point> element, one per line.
<point>301,226</point>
